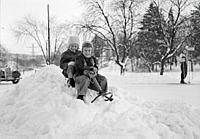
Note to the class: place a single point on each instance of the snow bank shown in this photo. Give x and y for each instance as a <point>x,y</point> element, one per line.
<point>42,107</point>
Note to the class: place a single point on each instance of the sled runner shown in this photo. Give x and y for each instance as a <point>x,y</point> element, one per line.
<point>108,96</point>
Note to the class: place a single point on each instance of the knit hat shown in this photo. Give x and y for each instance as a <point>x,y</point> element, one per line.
<point>87,44</point>
<point>73,39</point>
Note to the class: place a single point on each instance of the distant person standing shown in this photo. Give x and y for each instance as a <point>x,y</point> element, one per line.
<point>183,61</point>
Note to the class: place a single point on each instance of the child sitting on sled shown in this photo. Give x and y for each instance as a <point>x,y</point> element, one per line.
<point>68,57</point>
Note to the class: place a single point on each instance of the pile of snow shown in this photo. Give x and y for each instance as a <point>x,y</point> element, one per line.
<point>42,107</point>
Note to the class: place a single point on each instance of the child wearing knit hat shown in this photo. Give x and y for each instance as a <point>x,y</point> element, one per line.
<point>73,40</point>
<point>67,60</point>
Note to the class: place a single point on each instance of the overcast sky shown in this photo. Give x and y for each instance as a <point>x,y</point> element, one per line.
<point>14,10</point>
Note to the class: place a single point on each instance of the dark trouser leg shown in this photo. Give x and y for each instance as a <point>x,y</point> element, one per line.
<point>82,82</point>
<point>183,71</point>
<point>182,77</point>
<point>102,82</point>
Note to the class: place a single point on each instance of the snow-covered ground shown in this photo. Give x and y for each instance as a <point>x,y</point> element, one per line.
<point>146,106</point>
<point>154,87</point>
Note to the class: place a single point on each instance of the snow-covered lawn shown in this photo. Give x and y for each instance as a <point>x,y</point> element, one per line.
<point>146,106</point>
<point>154,87</point>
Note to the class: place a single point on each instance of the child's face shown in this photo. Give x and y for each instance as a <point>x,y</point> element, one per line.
<point>87,51</point>
<point>73,47</point>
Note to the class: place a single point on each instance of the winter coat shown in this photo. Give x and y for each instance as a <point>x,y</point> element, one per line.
<point>67,57</point>
<point>83,63</point>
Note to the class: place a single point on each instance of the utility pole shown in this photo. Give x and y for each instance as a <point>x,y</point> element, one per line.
<point>33,56</point>
<point>0,30</point>
<point>49,47</point>
<point>17,61</point>
<point>33,51</point>
<point>32,47</point>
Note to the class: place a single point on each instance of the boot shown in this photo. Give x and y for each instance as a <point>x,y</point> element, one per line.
<point>81,97</point>
<point>71,82</point>
<point>183,82</point>
<point>100,92</point>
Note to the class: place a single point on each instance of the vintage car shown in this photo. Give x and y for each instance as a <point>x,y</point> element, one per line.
<point>7,74</point>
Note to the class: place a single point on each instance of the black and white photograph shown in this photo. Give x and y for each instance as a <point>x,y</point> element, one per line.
<point>99,69</point>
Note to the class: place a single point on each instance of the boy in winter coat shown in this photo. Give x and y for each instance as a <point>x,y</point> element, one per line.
<point>68,57</point>
<point>86,71</point>
<point>183,61</point>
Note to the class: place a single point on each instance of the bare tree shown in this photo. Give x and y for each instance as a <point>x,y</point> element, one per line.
<point>59,34</point>
<point>174,30</point>
<point>113,21</point>
<point>30,28</point>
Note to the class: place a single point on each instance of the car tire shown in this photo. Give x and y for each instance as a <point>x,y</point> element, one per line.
<point>15,81</point>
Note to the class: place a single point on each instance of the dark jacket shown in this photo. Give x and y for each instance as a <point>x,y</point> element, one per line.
<point>68,56</point>
<point>82,63</point>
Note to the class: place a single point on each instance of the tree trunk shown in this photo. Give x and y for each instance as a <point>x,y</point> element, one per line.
<point>121,70</point>
<point>152,67</point>
<point>132,68</point>
<point>162,67</point>
<point>156,67</point>
<point>121,67</point>
<point>170,66</point>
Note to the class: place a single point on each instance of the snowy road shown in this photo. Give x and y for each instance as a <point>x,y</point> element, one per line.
<point>6,86</point>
